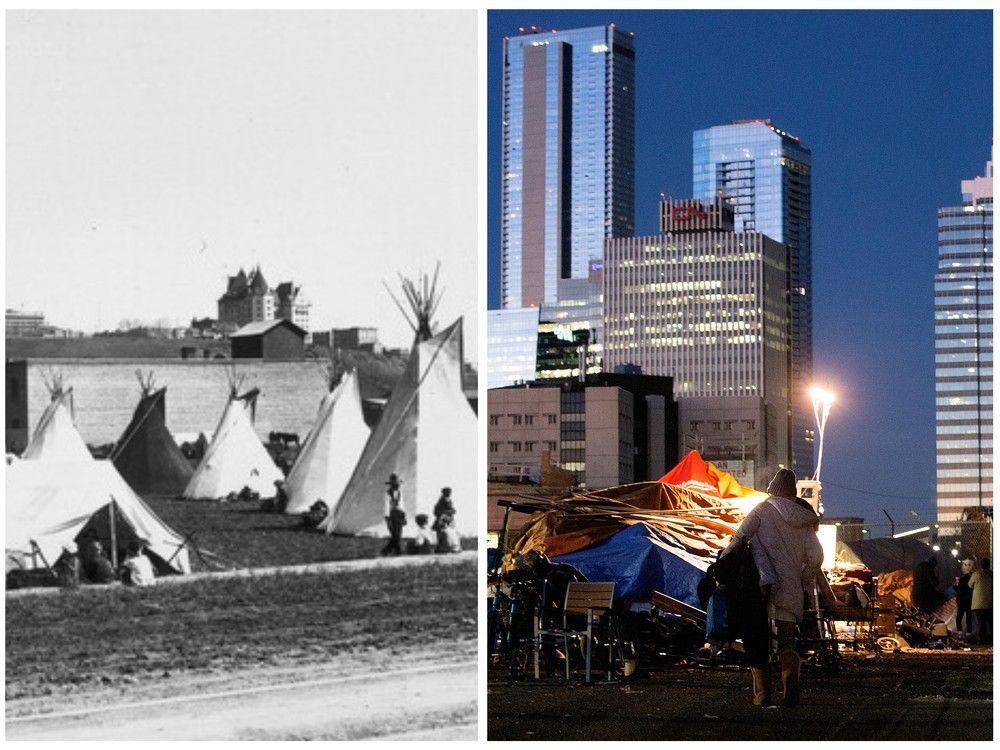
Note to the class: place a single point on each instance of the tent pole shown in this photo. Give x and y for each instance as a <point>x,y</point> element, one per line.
<point>114,537</point>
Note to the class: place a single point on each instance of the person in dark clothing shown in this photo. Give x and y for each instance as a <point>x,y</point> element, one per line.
<point>395,517</point>
<point>96,566</point>
<point>924,593</point>
<point>963,600</point>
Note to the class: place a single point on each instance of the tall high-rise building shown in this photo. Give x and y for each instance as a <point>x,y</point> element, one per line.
<point>709,307</point>
<point>963,351</point>
<point>568,150</point>
<point>764,173</point>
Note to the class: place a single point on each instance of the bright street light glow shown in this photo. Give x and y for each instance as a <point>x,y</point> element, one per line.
<point>822,400</point>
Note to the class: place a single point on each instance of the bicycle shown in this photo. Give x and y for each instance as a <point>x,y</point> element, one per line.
<point>510,622</point>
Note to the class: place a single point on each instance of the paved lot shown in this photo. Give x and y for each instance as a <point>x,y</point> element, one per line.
<point>927,695</point>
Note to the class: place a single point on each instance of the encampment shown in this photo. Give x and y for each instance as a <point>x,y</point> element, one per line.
<point>146,454</point>
<point>331,451</point>
<point>236,458</point>
<point>49,505</point>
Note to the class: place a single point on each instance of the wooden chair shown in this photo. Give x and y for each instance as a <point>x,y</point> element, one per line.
<point>592,600</point>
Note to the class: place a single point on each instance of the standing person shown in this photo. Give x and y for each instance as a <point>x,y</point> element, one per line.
<point>963,600</point>
<point>444,522</point>
<point>395,518</point>
<point>981,584</point>
<point>781,531</point>
<point>137,570</point>
<point>924,593</point>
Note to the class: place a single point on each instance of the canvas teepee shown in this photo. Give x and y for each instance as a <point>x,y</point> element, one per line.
<point>49,504</point>
<point>331,451</point>
<point>427,435</point>
<point>235,458</point>
<point>55,437</point>
<point>146,454</point>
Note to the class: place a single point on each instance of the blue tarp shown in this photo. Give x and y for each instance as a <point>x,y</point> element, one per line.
<point>635,560</point>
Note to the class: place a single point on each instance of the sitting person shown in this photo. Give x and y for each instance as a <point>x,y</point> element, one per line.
<point>444,523</point>
<point>422,542</point>
<point>313,517</point>
<point>96,567</point>
<point>137,570</point>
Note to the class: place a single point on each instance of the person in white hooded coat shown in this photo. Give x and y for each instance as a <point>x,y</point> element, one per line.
<point>781,531</point>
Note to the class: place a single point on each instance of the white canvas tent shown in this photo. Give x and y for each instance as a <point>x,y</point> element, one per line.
<point>235,458</point>
<point>331,451</point>
<point>427,436</point>
<point>50,503</point>
<point>55,437</point>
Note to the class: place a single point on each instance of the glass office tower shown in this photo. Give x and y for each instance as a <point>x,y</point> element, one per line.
<point>764,173</point>
<point>568,150</point>
<point>963,351</point>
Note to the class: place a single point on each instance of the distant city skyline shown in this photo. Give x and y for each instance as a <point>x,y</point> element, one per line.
<point>891,134</point>
<point>151,154</point>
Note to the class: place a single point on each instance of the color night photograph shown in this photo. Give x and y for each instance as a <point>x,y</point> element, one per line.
<point>739,361</point>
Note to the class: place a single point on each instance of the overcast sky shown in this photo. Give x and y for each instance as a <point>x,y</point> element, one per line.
<point>151,154</point>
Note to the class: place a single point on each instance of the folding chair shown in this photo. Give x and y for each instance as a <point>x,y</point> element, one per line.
<point>582,598</point>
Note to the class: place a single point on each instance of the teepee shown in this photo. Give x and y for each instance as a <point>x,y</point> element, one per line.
<point>331,451</point>
<point>55,437</point>
<point>49,505</point>
<point>146,454</point>
<point>427,435</point>
<point>235,458</point>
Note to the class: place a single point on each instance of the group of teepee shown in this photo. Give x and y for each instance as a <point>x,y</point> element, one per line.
<point>57,491</point>
<point>426,436</point>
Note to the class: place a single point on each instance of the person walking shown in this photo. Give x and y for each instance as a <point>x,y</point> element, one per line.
<point>981,584</point>
<point>395,518</point>
<point>781,532</point>
<point>963,601</point>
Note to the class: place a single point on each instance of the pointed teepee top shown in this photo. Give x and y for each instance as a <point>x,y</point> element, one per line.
<point>423,298</point>
<point>53,380</point>
<point>147,382</point>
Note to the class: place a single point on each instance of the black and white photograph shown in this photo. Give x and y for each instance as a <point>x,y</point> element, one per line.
<point>242,306</point>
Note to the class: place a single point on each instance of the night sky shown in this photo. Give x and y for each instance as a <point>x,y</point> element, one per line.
<point>896,107</point>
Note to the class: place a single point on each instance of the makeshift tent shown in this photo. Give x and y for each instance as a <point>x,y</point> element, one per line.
<point>885,555</point>
<point>644,536</point>
<point>236,458</point>
<point>331,451</point>
<point>55,437</point>
<point>146,454</point>
<point>426,436</point>
<point>50,503</point>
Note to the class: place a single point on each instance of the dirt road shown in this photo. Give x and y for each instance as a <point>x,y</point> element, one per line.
<point>423,697</point>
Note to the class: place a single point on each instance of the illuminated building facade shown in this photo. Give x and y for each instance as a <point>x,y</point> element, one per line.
<point>708,306</point>
<point>511,346</point>
<point>963,352</point>
<point>764,173</point>
<point>568,151</point>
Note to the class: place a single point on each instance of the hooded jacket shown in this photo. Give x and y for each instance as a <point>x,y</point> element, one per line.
<point>981,584</point>
<point>782,536</point>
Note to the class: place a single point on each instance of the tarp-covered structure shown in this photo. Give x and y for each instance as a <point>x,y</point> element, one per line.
<point>147,455</point>
<point>426,436</point>
<point>885,555</point>
<point>49,504</point>
<point>331,450</point>
<point>644,536</point>
<point>236,458</point>
<point>55,437</point>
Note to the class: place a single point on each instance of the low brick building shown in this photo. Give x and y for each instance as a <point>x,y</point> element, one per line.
<point>269,339</point>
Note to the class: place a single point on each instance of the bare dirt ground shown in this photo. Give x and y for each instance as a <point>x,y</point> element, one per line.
<point>425,695</point>
<point>350,650</point>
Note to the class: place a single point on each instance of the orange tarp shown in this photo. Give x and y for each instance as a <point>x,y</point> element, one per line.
<point>694,473</point>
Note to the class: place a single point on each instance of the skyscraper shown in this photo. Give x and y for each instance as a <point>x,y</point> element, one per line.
<point>709,307</point>
<point>963,351</point>
<point>764,173</point>
<point>568,150</point>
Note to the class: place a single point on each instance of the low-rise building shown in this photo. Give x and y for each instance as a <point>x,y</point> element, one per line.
<point>269,339</point>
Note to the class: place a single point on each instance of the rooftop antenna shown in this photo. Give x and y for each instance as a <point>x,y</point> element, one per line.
<point>423,298</point>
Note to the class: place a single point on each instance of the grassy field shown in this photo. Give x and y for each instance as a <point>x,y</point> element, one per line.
<point>120,637</point>
<point>242,536</point>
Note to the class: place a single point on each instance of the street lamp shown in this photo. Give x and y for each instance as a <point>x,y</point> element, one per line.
<point>822,400</point>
